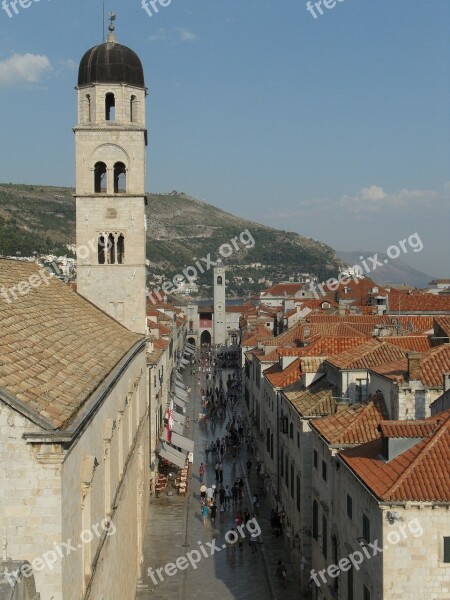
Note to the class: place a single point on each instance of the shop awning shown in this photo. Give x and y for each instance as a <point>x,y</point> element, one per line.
<point>183,361</point>
<point>189,350</point>
<point>178,376</point>
<point>179,418</point>
<point>183,399</point>
<point>179,402</point>
<point>177,427</point>
<point>182,442</point>
<point>181,391</point>
<point>176,458</point>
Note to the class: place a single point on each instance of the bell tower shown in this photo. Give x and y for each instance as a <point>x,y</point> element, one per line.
<point>110,140</point>
<point>219,317</point>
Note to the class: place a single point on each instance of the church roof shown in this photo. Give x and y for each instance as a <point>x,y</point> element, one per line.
<point>56,348</point>
<point>111,63</point>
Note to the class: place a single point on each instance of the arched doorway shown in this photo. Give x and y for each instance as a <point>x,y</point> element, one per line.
<point>192,341</point>
<point>205,338</point>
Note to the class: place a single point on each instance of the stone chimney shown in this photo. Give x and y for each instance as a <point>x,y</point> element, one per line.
<point>413,366</point>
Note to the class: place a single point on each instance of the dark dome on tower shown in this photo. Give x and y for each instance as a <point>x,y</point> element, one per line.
<point>111,63</point>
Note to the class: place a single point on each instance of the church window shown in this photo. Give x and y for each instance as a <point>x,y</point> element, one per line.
<point>121,249</point>
<point>88,108</point>
<point>100,178</point>
<point>133,109</point>
<point>120,178</point>
<point>219,280</point>
<point>101,249</point>
<point>111,250</point>
<point>110,107</point>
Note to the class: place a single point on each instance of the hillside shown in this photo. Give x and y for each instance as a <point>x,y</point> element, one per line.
<point>181,229</point>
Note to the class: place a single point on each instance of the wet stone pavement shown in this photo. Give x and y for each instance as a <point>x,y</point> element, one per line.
<point>175,528</point>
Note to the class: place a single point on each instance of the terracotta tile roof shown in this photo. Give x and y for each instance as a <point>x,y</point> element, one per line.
<point>407,429</point>
<point>316,400</point>
<point>418,302</point>
<point>153,312</point>
<point>433,364</point>
<point>419,474</point>
<point>294,334</point>
<point>283,289</point>
<point>275,354</point>
<point>252,337</point>
<point>56,348</point>
<point>338,329</point>
<point>396,370</point>
<point>369,354</point>
<point>360,290</point>
<point>328,346</point>
<point>366,323</point>
<point>357,424</point>
<point>282,378</point>
<point>321,318</point>
<point>415,343</point>
<point>416,323</point>
<point>161,343</point>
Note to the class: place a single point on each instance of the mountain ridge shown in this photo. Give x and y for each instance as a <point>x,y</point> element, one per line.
<point>181,229</point>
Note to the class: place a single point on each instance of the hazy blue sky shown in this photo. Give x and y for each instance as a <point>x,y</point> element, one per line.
<point>335,127</point>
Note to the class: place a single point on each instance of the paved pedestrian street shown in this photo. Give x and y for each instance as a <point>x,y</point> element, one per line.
<point>175,529</point>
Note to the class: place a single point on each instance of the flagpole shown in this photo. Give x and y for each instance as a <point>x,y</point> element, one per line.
<point>103,21</point>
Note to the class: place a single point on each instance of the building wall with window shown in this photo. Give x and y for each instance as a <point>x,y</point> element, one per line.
<point>110,141</point>
<point>295,485</point>
<point>415,562</point>
<point>351,385</point>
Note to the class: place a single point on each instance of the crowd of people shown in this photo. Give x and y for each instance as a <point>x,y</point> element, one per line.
<point>222,491</point>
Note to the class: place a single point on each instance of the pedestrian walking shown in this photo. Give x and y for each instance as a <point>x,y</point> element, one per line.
<point>217,470</point>
<point>205,513</point>
<point>201,471</point>
<point>281,572</point>
<point>221,472</point>
<point>249,467</point>
<point>203,493</point>
<point>213,512</point>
